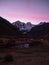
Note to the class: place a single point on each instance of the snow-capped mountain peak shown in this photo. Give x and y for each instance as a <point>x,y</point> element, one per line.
<point>23,26</point>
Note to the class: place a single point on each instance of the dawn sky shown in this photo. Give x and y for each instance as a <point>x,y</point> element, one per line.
<point>34,11</point>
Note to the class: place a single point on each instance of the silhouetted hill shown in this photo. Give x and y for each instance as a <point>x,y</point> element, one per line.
<point>41,30</point>
<point>6,28</point>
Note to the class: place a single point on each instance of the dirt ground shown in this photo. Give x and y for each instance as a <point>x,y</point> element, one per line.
<point>25,56</point>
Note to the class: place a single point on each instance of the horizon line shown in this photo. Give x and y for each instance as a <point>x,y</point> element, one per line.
<point>25,21</point>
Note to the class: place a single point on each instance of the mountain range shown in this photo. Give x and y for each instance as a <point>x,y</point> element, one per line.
<point>23,27</point>
<point>36,31</point>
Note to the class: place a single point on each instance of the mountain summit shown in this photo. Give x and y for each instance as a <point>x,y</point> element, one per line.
<point>25,27</point>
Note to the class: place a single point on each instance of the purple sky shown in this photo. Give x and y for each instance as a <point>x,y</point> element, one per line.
<point>33,11</point>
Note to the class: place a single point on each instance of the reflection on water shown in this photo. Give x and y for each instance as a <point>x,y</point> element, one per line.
<point>22,46</point>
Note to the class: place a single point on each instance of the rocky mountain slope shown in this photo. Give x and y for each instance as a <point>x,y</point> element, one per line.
<point>25,27</point>
<point>41,30</point>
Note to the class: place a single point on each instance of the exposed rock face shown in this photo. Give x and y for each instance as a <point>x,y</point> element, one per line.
<point>25,27</point>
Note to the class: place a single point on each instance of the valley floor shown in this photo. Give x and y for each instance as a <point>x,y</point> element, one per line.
<point>28,56</point>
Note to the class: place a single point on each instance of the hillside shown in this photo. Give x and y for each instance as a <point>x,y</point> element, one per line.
<point>6,28</point>
<point>40,31</point>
